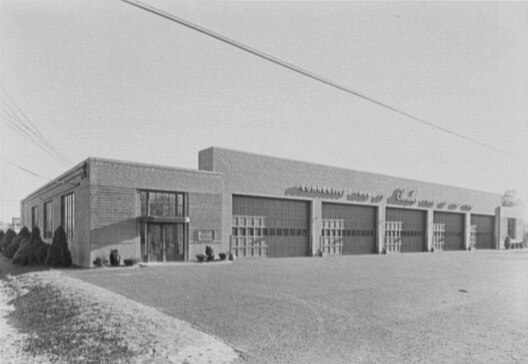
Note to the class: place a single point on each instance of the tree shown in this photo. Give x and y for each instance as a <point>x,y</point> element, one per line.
<point>510,198</point>
<point>25,253</point>
<point>12,248</point>
<point>59,254</point>
<point>8,238</point>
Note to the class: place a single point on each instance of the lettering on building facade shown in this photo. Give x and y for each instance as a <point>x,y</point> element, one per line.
<point>401,195</point>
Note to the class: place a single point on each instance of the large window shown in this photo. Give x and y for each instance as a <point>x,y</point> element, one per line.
<point>48,228</point>
<point>34,217</point>
<point>166,204</point>
<point>512,228</point>
<point>68,214</point>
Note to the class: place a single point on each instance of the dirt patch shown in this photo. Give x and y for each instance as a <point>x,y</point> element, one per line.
<point>61,319</point>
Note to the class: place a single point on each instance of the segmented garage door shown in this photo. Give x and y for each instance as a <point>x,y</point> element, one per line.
<point>413,228</point>
<point>282,229</point>
<point>454,229</point>
<point>485,230</point>
<point>358,232</point>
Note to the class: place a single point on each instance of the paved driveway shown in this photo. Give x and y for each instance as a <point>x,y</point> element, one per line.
<point>451,307</point>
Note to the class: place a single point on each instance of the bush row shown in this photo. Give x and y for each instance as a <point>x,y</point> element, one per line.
<point>27,248</point>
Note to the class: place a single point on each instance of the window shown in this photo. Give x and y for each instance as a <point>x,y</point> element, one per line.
<point>48,228</point>
<point>68,214</point>
<point>512,228</point>
<point>34,217</point>
<point>164,204</point>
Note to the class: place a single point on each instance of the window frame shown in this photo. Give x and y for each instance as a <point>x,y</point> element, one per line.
<point>154,203</point>
<point>68,214</point>
<point>512,227</point>
<point>34,216</point>
<point>47,222</point>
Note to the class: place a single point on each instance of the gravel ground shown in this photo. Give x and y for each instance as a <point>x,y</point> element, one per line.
<point>450,307</point>
<point>49,317</point>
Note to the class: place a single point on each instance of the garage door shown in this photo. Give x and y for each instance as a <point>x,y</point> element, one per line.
<point>413,228</point>
<point>454,229</point>
<point>357,230</point>
<point>268,227</point>
<point>485,230</point>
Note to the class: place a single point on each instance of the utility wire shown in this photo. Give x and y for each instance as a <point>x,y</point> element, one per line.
<point>32,131</point>
<point>303,72</point>
<point>24,169</point>
<point>33,173</point>
<point>24,120</point>
<point>11,122</point>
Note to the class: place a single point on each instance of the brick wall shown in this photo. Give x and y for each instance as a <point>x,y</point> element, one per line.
<point>257,175</point>
<point>68,182</point>
<point>113,225</point>
<point>204,213</point>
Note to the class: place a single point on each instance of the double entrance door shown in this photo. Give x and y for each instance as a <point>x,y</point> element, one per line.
<point>162,242</point>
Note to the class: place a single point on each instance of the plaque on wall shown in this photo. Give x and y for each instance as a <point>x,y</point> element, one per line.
<point>205,235</point>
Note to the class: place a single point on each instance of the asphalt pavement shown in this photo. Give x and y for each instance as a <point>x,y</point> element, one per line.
<point>448,307</point>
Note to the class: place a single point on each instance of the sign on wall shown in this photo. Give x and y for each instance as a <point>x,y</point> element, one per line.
<point>205,235</point>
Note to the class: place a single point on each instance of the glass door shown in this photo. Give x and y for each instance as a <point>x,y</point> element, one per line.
<point>173,238</point>
<point>164,243</point>
<point>155,242</point>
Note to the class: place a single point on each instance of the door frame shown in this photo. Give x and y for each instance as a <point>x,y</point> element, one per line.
<point>144,240</point>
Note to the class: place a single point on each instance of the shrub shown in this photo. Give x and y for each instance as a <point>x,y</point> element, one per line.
<point>209,252</point>
<point>8,238</point>
<point>222,256</point>
<point>21,256</point>
<point>507,242</point>
<point>40,254</point>
<point>26,252</point>
<point>200,257</point>
<point>1,235</point>
<point>36,244</point>
<point>100,261</point>
<point>59,254</point>
<point>12,248</point>
<point>115,259</point>
<point>130,261</point>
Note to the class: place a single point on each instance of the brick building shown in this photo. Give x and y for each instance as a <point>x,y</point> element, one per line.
<point>255,205</point>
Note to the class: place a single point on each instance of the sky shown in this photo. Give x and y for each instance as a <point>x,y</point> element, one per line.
<point>106,79</point>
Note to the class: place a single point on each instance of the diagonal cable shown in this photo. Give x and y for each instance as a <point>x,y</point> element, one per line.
<point>301,71</point>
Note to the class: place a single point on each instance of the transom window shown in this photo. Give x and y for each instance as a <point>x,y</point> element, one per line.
<point>165,204</point>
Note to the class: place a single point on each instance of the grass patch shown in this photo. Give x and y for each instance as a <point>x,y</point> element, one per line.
<point>68,331</point>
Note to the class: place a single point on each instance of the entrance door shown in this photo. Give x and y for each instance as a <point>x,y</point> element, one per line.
<point>165,242</point>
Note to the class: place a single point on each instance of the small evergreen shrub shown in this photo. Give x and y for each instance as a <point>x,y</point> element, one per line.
<point>130,261</point>
<point>100,261</point>
<point>8,238</point>
<point>36,244</point>
<point>209,252</point>
<point>21,256</point>
<point>41,253</point>
<point>59,254</point>
<point>222,256</point>
<point>115,259</point>
<point>22,236</point>
<point>507,242</point>
<point>200,257</point>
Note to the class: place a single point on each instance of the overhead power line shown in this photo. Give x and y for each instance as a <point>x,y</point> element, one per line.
<point>301,71</point>
<point>24,169</point>
<point>35,174</point>
<point>19,121</point>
